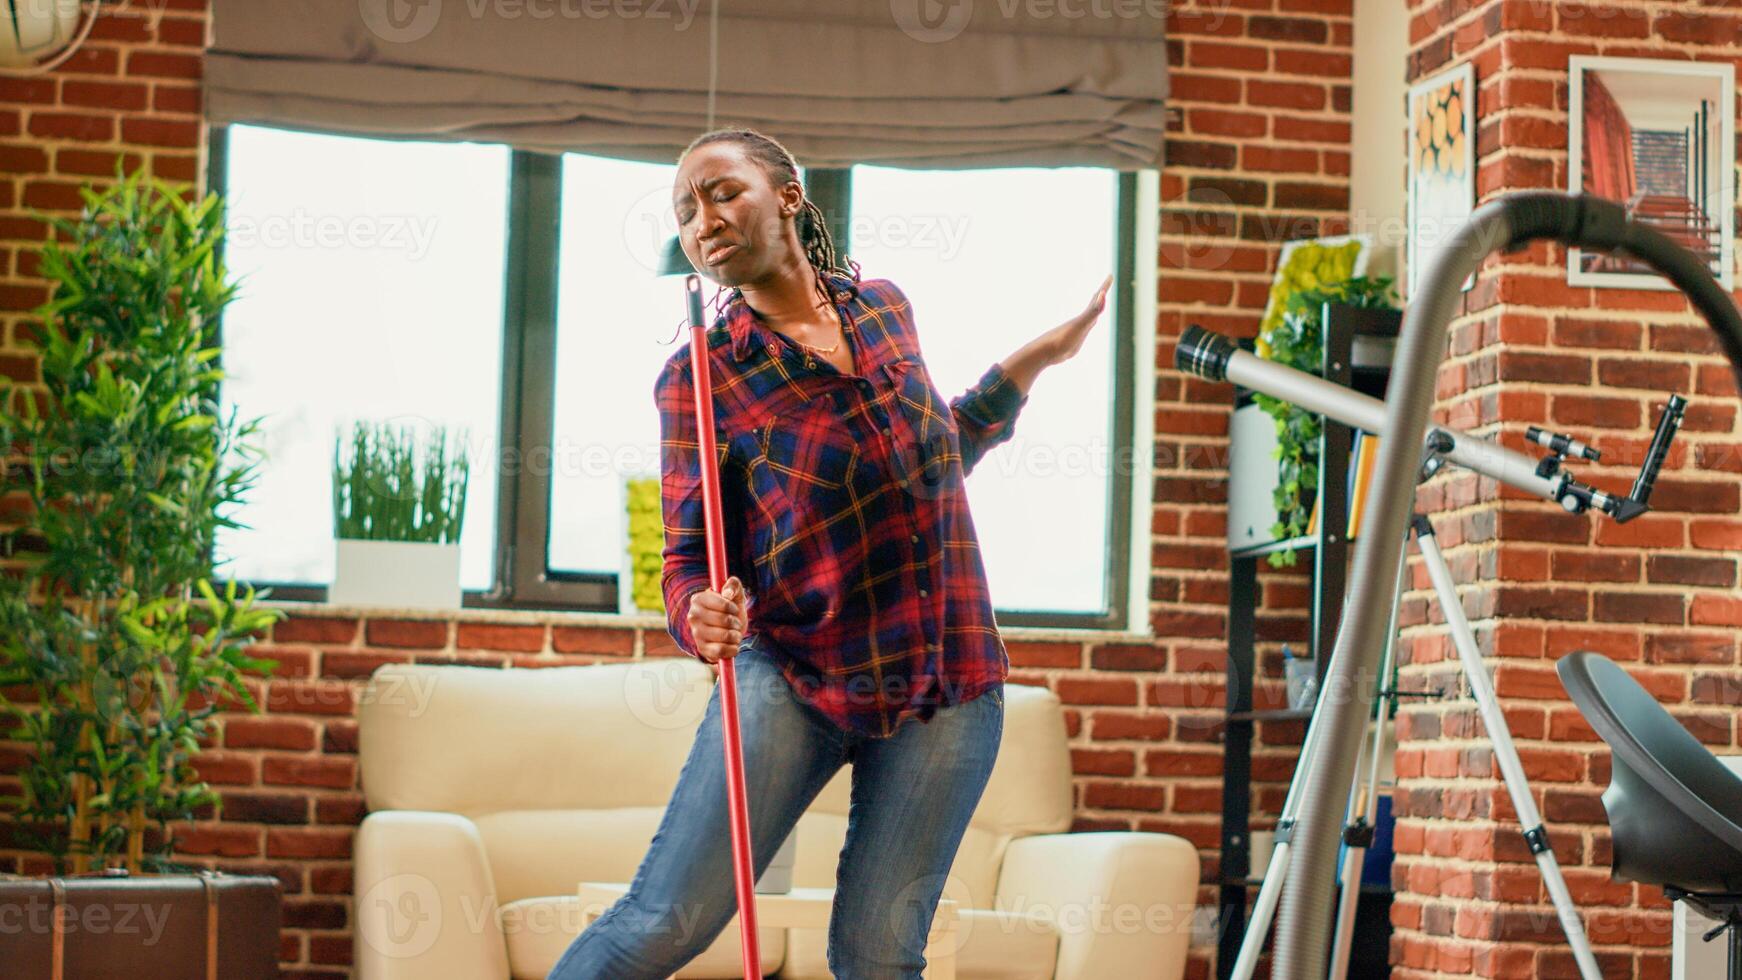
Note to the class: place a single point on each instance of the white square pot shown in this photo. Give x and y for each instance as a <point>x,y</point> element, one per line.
<point>396,574</point>
<point>777,877</point>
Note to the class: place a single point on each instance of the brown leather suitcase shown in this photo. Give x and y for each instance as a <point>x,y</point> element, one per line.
<point>108,924</point>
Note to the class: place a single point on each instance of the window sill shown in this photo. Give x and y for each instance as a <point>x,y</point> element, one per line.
<point>511,617</point>
<point>1054,634</point>
<point>648,621</point>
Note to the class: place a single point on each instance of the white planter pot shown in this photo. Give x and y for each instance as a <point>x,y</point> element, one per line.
<point>1252,477</point>
<point>396,574</point>
<point>777,877</point>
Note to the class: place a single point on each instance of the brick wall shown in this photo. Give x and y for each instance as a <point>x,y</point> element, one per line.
<point>1656,594</point>
<point>1257,156</point>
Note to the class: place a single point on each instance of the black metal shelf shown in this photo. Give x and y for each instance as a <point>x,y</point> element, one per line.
<point>1303,542</point>
<point>1272,714</point>
<point>1329,555</point>
<point>1251,882</point>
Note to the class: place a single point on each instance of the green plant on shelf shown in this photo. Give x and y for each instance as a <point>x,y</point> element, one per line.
<point>389,489</point>
<point>1297,340</point>
<point>646,542</point>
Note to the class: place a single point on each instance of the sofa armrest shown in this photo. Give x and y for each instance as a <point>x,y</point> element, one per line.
<point>1122,902</point>
<point>425,900</point>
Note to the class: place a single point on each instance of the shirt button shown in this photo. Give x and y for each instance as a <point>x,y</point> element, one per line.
<point>885,430</point>
<point>923,593</point>
<point>914,538</point>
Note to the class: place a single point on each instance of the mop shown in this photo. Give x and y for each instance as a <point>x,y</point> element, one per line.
<point>743,867</point>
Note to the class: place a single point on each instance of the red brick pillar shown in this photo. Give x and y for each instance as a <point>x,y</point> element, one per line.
<point>1656,594</point>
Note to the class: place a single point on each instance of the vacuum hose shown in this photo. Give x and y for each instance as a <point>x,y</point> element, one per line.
<point>1345,701</point>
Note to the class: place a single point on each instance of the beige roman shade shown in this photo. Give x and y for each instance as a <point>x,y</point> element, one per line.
<point>912,83</point>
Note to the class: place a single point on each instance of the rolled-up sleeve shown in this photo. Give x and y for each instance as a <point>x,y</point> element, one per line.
<point>986,414</point>
<point>685,556</point>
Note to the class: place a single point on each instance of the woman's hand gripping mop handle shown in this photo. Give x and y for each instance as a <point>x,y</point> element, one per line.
<point>738,807</point>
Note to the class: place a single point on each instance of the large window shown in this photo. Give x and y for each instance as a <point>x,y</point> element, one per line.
<point>519,298</point>
<point>989,260</point>
<point>617,323</point>
<point>370,288</point>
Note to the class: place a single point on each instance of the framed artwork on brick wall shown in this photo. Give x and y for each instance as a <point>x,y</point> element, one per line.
<point>1442,164</point>
<point>1659,137</point>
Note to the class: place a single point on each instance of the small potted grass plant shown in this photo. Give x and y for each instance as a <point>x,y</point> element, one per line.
<point>398,507</point>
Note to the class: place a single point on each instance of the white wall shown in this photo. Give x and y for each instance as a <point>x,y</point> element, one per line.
<point>1379,168</point>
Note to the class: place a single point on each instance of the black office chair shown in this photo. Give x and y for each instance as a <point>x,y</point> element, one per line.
<point>1675,811</point>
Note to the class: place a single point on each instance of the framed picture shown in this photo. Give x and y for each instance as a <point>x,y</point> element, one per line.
<point>1442,165</point>
<point>1658,137</point>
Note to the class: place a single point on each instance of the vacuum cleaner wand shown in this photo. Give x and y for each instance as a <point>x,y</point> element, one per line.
<point>738,807</point>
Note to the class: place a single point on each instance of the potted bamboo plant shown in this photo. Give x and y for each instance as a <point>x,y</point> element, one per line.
<point>115,648</point>
<point>398,507</point>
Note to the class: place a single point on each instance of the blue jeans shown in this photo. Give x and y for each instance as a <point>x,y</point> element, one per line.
<point>912,796</point>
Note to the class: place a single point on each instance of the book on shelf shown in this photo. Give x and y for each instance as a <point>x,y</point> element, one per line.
<point>1356,479</point>
<point>1362,459</point>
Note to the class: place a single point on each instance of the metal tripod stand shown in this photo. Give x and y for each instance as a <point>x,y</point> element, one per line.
<point>1358,831</point>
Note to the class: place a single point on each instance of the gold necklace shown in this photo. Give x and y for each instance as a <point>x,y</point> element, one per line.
<point>819,350</point>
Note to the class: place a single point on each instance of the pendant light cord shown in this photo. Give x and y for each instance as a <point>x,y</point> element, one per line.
<point>713,58</point>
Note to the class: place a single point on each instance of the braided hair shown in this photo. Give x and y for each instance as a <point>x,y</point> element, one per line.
<point>813,232</point>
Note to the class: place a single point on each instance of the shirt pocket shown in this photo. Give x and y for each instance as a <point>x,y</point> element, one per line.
<point>927,452</point>
<point>804,479</point>
<point>808,450</point>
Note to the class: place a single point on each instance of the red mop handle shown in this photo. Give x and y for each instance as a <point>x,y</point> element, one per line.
<point>742,865</point>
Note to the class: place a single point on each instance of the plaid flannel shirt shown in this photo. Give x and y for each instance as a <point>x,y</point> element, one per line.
<point>844,510</point>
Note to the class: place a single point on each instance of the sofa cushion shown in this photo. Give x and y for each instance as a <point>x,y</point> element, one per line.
<point>473,740</point>
<point>973,876</point>
<point>538,930</point>
<point>456,739</point>
<point>990,945</point>
<point>548,852</point>
<point>1029,791</point>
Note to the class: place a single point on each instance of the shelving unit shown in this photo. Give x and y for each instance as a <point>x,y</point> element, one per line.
<point>1357,354</point>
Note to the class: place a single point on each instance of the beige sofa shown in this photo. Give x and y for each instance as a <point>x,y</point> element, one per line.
<point>494,792</point>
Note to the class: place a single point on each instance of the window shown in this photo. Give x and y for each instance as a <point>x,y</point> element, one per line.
<point>528,308</point>
<point>617,324</point>
<point>991,259</point>
<point>370,287</point>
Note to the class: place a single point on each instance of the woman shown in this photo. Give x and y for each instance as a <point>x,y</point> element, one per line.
<point>841,482</point>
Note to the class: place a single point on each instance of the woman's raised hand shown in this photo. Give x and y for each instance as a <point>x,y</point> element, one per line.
<point>1067,338</point>
<point>717,621</point>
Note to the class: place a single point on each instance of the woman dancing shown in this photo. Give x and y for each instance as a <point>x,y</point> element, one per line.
<point>865,634</point>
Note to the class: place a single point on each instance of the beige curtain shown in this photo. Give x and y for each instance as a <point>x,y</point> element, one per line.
<point>909,83</point>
